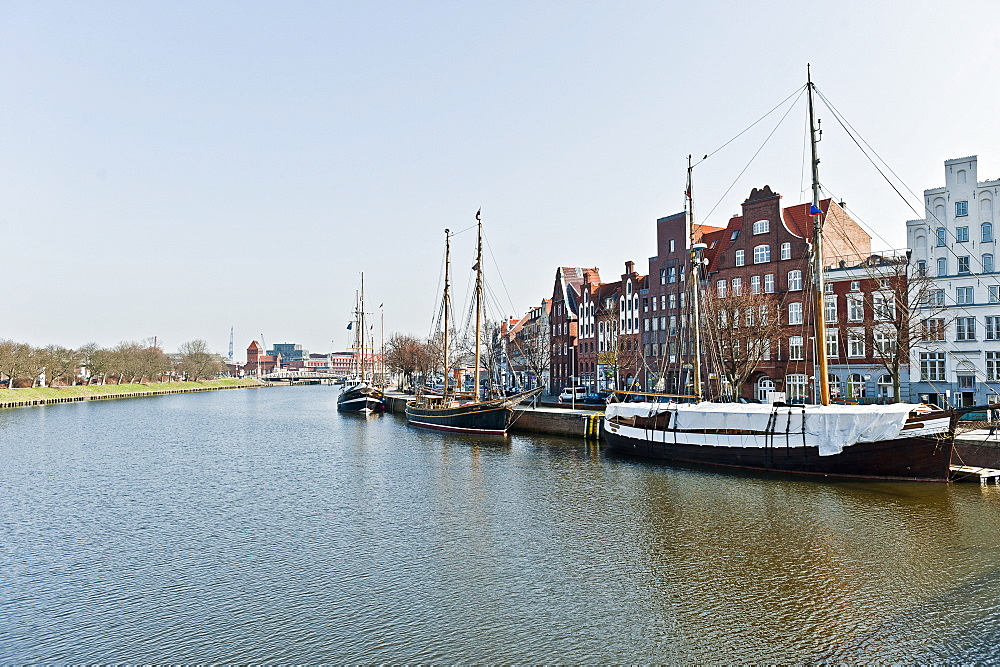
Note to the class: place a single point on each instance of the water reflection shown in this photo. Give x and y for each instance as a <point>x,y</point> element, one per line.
<point>263,526</point>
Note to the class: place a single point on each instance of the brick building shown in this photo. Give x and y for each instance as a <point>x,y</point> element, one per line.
<point>563,325</point>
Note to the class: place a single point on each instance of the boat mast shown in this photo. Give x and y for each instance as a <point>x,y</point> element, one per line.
<point>361,326</point>
<point>693,284</point>
<point>447,307</point>
<point>479,297</point>
<point>823,378</point>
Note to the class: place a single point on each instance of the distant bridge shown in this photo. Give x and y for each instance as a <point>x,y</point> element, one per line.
<point>279,376</point>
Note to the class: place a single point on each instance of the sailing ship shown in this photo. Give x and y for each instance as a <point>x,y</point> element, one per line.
<point>359,393</point>
<point>884,442</point>
<point>449,410</point>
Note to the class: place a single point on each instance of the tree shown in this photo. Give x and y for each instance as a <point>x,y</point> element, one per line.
<point>531,347</point>
<point>15,360</point>
<point>152,363</point>
<point>197,362</point>
<point>58,363</point>
<point>739,331</point>
<point>403,355</point>
<point>908,313</point>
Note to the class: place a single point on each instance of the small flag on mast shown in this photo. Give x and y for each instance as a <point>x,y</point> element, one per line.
<point>813,210</point>
<point>350,324</point>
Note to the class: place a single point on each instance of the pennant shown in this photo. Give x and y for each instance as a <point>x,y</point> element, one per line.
<point>350,324</point>
<point>814,211</point>
<point>477,213</point>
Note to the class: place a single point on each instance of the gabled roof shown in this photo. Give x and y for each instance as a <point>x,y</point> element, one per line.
<point>254,346</point>
<point>797,218</point>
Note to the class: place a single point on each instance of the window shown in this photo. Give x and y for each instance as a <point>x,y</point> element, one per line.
<point>963,265</point>
<point>935,297</point>
<point>855,343</point>
<point>885,388</point>
<point>884,343</point>
<point>765,385</point>
<point>855,285</point>
<point>672,331</point>
<point>769,283</point>
<point>987,232</point>
<point>994,293</point>
<point>942,238</point>
<point>828,288</point>
<point>734,235</point>
<point>741,257</point>
<point>786,251</point>
<point>797,387</point>
<point>962,234</point>
<point>794,281</point>
<point>988,263</point>
<point>750,316</point>
<point>965,328</point>
<point>761,254</point>
<point>737,286</point>
<point>884,307</point>
<point>795,312</point>
<point>933,329</point>
<point>671,245</point>
<point>855,385</point>
<point>855,308</point>
<point>942,264</point>
<point>830,308</point>
<point>964,296</point>
<point>645,304</point>
<point>672,274</point>
<point>655,299</point>
<point>763,313</point>
<point>761,227</point>
<point>832,342</point>
<point>680,270</point>
<point>932,366</point>
<point>993,366</point>
<point>921,268</point>
<point>795,350</point>
<point>755,284</point>
<point>663,276</point>
<point>961,209</point>
<point>671,301</point>
<point>992,327</point>
<point>834,385</point>
<point>720,288</point>
<point>645,325</point>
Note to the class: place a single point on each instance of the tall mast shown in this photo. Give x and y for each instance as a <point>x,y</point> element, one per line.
<point>693,286</point>
<point>447,305</point>
<point>479,297</point>
<point>361,326</point>
<point>823,378</point>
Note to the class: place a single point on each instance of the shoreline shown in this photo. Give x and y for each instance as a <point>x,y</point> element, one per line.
<point>26,397</point>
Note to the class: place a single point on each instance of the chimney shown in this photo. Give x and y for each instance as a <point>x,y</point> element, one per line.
<point>629,267</point>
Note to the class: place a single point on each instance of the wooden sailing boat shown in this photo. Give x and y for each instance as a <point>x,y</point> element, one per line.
<point>446,411</point>
<point>898,442</point>
<point>360,394</point>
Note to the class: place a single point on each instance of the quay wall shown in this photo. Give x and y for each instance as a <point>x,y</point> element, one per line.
<point>14,402</point>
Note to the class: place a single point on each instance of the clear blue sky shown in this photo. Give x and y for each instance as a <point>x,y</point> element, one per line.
<point>177,168</point>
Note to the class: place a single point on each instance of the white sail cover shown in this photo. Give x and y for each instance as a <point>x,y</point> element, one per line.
<point>833,427</point>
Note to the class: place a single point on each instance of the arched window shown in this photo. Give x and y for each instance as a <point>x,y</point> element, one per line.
<point>885,389</point>
<point>921,268</point>
<point>761,227</point>
<point>988,263</point>
<point>765,385</point>
<point>761,253</point>
<point>942,234</point>
<point>942,266</point>
<point>855,385</point>
<point>987,229</point>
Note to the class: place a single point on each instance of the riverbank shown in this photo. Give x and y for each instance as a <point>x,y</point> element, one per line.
<point>16,398</point>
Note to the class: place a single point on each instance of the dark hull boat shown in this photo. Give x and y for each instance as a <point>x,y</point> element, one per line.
<point>486,417</point>
<point>361,398</point>
<point>803,440</point>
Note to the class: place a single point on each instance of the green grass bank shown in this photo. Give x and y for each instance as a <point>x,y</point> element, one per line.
<point>14,398</point>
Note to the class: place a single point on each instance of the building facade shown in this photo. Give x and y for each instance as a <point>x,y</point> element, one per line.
<point>954,247</point>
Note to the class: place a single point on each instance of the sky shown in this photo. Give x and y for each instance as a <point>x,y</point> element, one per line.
<point>184,169</point>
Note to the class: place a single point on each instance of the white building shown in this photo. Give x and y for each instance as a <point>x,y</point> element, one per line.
<point>955,246</point>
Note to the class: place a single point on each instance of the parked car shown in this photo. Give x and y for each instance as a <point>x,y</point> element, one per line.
<point>600,398</point>
<point>570,394</point>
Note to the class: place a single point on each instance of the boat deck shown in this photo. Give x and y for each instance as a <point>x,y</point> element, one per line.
<point>974,474</point>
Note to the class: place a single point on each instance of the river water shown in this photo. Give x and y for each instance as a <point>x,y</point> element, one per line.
<point>250,526</point>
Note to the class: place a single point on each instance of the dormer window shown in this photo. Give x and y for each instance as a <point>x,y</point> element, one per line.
<point>761,227</point>
<point>733,236</point>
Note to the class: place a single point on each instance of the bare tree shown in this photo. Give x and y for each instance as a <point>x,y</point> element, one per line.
<point>531,347</point>
<point>740,331</point>
<point>15,360</point>
<point>908,312</point>
<point>197,362</point>
<point>404,355</point>
<point>58,363</point>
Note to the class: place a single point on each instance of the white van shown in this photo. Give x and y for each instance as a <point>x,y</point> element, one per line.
<point>570,394</point>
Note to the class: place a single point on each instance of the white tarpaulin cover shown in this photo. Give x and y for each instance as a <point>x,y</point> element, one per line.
<point>832,426</point>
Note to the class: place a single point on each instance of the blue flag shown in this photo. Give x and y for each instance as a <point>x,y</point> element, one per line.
<point>350,324</point>
<point>814,211</point>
